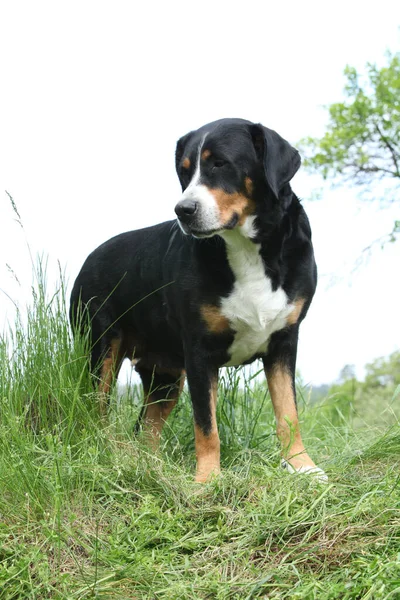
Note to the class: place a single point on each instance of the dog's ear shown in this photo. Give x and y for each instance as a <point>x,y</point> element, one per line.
<point>281,161</point>
<point>180,147</point>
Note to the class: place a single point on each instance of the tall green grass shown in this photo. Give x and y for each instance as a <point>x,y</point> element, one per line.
<point>86,511</point>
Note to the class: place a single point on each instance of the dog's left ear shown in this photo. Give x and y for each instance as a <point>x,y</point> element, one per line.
<point>281,161</point>
<point>180,147</point>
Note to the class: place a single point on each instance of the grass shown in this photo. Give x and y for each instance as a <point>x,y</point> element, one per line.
<point>86,511</point>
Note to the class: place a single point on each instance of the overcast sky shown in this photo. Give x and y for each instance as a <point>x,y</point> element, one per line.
<point>94,96</point>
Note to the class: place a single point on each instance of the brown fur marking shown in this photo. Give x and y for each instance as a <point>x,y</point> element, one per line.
<point>109,366</point>
<point>205,154</point>
<point>186,163</point>
<point>228,204</point>
<point>109,369</point>
<point>158,411</point>
<point>287,422</point>
<point>248,184</point>
<point>208,446</point>
<point>295,314</point>
<point>216,322</point>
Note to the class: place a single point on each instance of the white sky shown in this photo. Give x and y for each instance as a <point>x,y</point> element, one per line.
<point>94,96</point>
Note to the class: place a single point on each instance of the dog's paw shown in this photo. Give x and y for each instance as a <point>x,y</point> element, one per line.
<point>316,472</point>
<point>205,476</point>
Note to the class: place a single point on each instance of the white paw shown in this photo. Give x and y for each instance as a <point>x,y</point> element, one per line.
<point>316,472</point>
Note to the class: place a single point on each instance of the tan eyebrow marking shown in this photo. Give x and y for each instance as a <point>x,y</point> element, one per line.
<point>248,184</point>
<point>186,163</point>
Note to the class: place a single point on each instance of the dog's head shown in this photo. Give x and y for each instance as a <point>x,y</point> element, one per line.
<point>227,169</point>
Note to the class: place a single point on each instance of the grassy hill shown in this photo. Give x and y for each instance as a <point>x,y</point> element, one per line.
<point>86,511</point>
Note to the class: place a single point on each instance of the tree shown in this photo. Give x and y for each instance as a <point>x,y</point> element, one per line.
<point>383,372</point>
<point>362,141</point>
<point>347,373</point>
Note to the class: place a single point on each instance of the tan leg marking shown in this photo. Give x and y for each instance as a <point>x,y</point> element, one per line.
<point>295,314</point>
<point>109,369</point>
<point>287,422</point>
<point>158,411</point>
<point>215,321</point>
<point>208,446</point>
<point>229,204</point>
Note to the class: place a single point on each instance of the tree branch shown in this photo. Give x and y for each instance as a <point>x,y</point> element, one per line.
<point>391,149</point>
<point>361,169</point>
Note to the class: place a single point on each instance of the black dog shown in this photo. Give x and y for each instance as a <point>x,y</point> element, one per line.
<point>229,281</point>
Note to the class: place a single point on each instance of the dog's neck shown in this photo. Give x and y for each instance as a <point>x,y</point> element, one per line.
<point>242,251</point>
<point>260,241</point>
<point>242,237</point>
<point>246,254</point>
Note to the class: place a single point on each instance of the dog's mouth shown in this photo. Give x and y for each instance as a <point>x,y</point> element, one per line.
<point>206,233</point>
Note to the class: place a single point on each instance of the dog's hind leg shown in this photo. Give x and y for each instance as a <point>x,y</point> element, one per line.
<point>109,370</point>
<point>161,392</point>
<point>107,354</point>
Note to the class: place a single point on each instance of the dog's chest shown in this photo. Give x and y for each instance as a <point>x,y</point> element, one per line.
<point>253,309</point>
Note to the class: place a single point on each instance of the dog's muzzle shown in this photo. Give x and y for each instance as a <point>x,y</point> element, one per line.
<point>197,212</point>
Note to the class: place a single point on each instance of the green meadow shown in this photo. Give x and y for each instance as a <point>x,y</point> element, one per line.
<point>87,511</point>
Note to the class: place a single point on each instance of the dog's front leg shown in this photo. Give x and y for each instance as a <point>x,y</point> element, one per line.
<point>279,366</point>
<point>203,384</point>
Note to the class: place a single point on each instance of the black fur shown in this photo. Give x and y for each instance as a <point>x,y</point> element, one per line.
<point>145,287</point>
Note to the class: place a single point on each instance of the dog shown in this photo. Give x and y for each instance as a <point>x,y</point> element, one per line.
<point>227,282</point>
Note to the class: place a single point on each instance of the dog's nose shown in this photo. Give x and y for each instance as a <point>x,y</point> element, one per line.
<point>186,209</point>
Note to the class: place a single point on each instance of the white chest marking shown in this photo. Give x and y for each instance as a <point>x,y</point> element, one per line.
<point>253,309</point>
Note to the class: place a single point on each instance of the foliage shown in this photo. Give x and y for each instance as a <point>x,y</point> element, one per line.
<point>347,372</point>
<point>88,512</point>
<point>381,386</point>
<point>363,137</point>
<point>362,142</point>
<point>383,372</point>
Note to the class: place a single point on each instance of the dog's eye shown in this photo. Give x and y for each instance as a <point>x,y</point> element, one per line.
<point>219,163</point>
